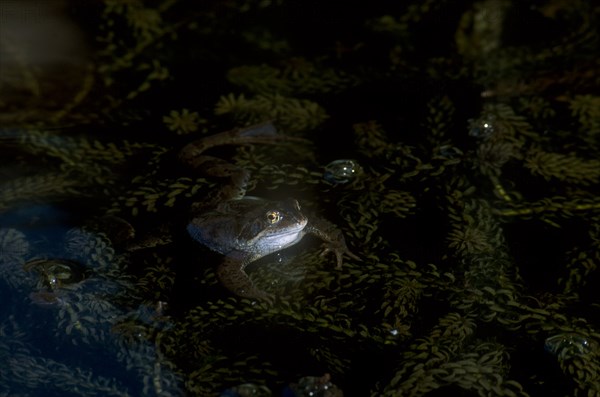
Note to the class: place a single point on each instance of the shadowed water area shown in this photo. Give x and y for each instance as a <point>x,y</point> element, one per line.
<point>446,154</point>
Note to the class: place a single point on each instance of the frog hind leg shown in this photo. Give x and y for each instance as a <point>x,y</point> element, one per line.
<point>233,277</point>
<point>215,167</point>
<point>262,133</point>
<point>261,130</point>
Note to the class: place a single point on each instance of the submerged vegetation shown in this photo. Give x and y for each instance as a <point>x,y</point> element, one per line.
<point>456,144</point>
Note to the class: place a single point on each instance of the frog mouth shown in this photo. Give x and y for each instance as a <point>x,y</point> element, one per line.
<point>275,235</point>
<point>279,239</point>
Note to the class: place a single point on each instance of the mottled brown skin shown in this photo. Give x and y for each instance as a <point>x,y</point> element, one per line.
<point>245,229</point>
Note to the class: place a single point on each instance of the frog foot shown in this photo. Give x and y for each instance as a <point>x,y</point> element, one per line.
<point>340,249</point>
<point>233,277</point>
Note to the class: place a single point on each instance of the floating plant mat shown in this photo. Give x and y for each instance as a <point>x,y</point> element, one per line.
<point>455,144</point>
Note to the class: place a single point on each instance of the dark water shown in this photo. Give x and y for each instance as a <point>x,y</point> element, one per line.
<point>455,144</point>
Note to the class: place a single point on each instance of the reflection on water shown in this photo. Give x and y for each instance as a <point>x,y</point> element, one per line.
<point>61,306</point>
<point>43,55</point>
<point>455,144</point>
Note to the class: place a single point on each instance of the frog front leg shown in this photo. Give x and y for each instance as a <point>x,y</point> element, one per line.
<point>233,277</point>
<point>333,238</point>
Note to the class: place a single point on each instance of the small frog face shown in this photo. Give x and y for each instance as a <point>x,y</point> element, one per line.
<point>56,273</point>
<point>252,226</point>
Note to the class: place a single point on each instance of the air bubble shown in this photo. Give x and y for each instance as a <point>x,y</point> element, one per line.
<point>341,171</point>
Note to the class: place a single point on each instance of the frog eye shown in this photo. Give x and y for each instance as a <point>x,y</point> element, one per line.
<point>273,217</point>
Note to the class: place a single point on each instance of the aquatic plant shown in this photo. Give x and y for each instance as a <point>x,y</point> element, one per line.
<point>182,122</point>
<point>293,114</point>
<point>474,208</point>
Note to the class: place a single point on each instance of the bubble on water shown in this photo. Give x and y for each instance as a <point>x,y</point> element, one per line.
<point>568,345</point>
<point>483,127</point>
<point>341,171</point>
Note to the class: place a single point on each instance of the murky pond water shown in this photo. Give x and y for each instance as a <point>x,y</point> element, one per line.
<point>454,145</point>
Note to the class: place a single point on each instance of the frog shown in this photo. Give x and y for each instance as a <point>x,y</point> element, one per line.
<point>244,228</point>
<point>55,276</point>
